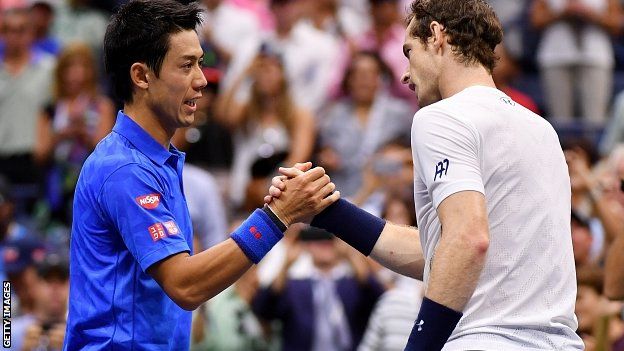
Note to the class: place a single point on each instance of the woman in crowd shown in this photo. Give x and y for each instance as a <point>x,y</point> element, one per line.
<point>575,53</point>
<point>267,122</point>
<point>70,127</point>
<point>356,126</point>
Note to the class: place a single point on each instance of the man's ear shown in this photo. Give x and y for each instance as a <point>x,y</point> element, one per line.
<point>139,74</point>
<point>437,35</point>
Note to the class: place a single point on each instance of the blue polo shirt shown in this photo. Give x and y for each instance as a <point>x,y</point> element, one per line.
<point>129,213</point>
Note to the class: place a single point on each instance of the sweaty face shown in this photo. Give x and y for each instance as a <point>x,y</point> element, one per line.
<point>422,73</point>
<point>173,94</point>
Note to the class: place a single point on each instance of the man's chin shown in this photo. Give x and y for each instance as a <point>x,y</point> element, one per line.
<point>187,120</point>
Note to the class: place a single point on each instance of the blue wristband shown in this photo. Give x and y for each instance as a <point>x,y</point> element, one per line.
<point>257,235</point>
<point>433,327</point>
<point>350,223</point>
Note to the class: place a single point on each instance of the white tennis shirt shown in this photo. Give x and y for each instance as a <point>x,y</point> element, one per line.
<point>481,140</point>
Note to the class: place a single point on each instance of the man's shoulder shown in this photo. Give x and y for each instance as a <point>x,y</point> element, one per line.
<point>440,114</point>
<point>112,154</point>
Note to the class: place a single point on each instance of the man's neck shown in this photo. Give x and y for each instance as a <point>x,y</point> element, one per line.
<point>148,120</point>
<point>15,62</point>
<point>457,77</point>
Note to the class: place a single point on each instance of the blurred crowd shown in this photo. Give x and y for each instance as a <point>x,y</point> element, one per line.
<point>291,81</point>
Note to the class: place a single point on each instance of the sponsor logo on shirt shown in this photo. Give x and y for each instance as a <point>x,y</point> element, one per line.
<point>508,101</point>
<point>157,231</point>
<point>255,232</point>
<point>149,201</point>
<point>420,324</point>
<point>441,169</point>
<point>172,227</point>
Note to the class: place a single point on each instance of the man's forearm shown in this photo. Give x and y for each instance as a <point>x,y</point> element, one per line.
<point>398,248</point>
<point>193,280</point>
<point>455,270</point>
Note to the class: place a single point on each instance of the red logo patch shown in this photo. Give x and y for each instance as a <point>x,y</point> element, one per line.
<point>256,233</point>
<point>172,228</point>
<point>149,201</point>
<point>157,231</point>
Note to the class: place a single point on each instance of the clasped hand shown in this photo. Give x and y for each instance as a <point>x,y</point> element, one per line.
<point>301,192</point>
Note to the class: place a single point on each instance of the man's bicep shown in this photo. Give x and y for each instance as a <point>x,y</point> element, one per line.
<point>464,211</point>
<point>166,269</point>
<point>139,210</point>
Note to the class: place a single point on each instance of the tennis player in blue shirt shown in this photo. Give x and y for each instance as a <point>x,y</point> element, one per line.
<point>134,277</point>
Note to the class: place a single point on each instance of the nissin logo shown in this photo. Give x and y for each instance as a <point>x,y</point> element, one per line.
<point>256,233</point>
<point>149,201</point>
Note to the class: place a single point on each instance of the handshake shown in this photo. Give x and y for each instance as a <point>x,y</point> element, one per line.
<point>300,192</point>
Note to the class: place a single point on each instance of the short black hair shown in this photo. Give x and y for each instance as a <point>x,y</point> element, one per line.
<point>140,32</point>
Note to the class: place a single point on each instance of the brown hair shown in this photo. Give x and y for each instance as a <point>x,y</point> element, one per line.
<point>85,55</point>
<point>384,70</point>
<point>472,28</point>
<point>285,107</point>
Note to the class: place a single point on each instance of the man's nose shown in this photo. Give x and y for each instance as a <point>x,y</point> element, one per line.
<point>405,79</point>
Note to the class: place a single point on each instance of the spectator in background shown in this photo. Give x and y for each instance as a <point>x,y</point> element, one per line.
<point>227,323</point>
<point>25,77</point>
<point>356,126</point>
<point>270,121</point>
<point>10,229</point>
<point>582,244</point>
<point>328,309</point>
<point>261,171</point>
<point>70,127</point>
<point>205,203</point>
<point>79,21</point>
<point>392,319</point>
<point>614,266</point>
<point>343,24</point>
<point>614,131</point>
<point>388,179</point>
<point>614,269</point>
<point>575,53</point>
<point>599,321</point>
<point>224,27</point>
<point>45,328</point>
<point>386,38</point>
<point>20,258</point>
<point>594,196</point>
<point>10,4</point>
<point>309,56</point>
<point>340,21</point>
<point>42,14</point>
<point>260,9</point>
<point>505,71</point>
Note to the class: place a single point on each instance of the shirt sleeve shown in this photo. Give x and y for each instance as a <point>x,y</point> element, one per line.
<point>134,201</point>
<point>447,154</point>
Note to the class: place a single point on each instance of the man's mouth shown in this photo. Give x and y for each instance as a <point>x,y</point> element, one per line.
<point>191,102</point>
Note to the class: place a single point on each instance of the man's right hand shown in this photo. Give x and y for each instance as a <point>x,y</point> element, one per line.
<point>304,193</point>
<point>278,183</point>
